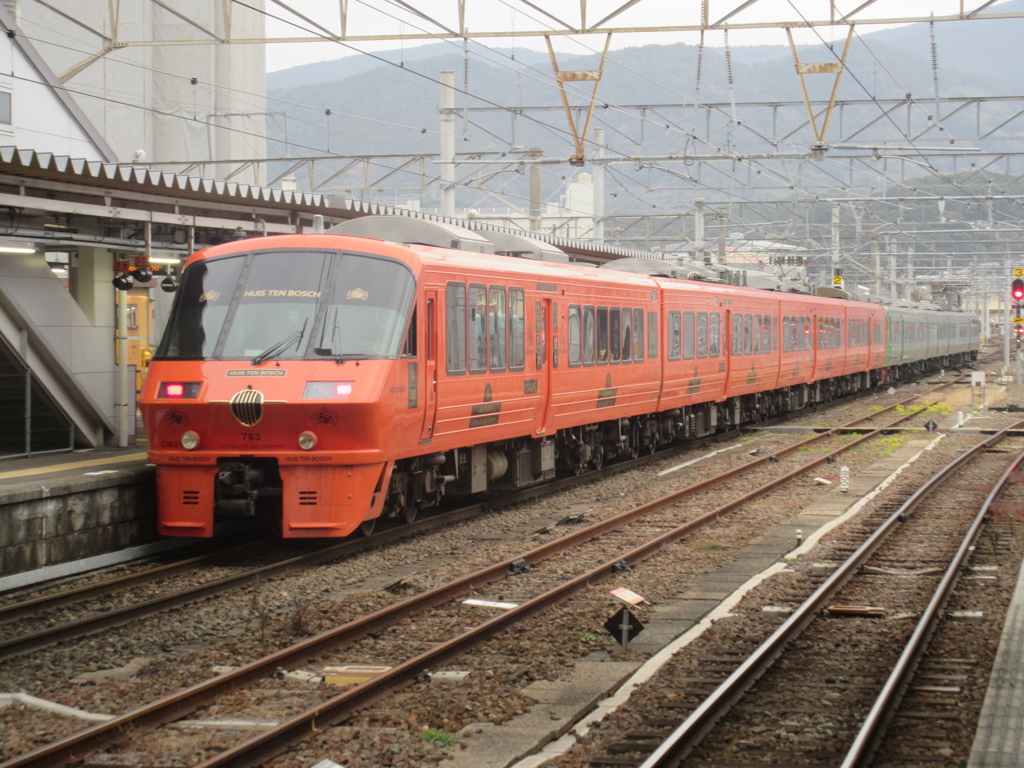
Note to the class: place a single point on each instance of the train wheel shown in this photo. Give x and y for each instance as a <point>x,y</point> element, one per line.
<point>410,510</point>
<point>597,457</point>
<point>367,527</point>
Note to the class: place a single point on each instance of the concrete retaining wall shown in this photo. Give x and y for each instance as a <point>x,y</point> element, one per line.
<point>69,519</point>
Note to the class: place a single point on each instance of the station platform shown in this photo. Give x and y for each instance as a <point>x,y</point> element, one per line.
<point>999,739</point>
<point>58,508</point>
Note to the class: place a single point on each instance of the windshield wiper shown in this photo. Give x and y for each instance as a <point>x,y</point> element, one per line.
<point>281,346</point>
<point>340,357</point>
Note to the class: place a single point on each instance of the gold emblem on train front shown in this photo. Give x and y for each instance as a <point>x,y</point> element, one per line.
<point>247,407</point>
<point>357,294</point>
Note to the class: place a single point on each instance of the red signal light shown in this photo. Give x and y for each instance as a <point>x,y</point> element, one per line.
<point>1017,290</point>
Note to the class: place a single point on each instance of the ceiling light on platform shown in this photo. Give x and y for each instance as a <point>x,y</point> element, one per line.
<point>164,260</point>
<point>7,248</point>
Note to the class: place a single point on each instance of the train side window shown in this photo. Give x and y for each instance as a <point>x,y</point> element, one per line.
<point>477,328</point>
<point>714,334</point>
<point>757,333</point>
<point>785,333</point>
<point>516,329</point>
<point>702,334</point>
<point>602,335</point>
<point>674,340</point>
<point>589,335</point>
<point>575,337</point>
<point>455,320</point>
<point>638,335</point>
<point>409,346</point>
<point>748,333</point>
<point>541,332</point>
<point>627,334</point>
<point>496,324</point>
<point>737,334</point>
<point>652,335</point>
<point>688,323</point>
<point>775,334</point>
<point>615,333</point>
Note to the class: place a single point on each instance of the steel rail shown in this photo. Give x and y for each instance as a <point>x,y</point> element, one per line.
<point>873,729</point>
<point>686,735</point>
<point>18,645</point>
<point>120,583</point>
<point>181,703</point>
<point>254,751</point>
<point>259,748</point>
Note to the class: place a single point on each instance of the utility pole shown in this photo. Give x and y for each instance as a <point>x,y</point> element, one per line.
<point>447,143</point>
<point>598,231</point>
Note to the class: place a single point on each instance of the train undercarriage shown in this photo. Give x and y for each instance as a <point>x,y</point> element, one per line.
<point>418,484</point>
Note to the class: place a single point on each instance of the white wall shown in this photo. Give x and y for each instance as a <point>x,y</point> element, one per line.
<point>40,121</point>
<point>141,97</point>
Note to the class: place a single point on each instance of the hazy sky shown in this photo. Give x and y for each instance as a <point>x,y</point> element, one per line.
<point>379,17</point>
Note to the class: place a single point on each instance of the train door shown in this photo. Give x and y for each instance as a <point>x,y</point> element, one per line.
<point>429,378</point>
<point>544,330</point>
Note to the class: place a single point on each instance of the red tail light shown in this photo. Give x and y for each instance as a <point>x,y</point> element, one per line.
<point>176,390</point>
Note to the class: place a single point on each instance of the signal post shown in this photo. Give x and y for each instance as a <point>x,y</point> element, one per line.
<point>1017,299</point>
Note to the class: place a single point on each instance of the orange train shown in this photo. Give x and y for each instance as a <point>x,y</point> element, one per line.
<point>323,382</point>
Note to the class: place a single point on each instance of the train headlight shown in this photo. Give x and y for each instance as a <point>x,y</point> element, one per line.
<point>190,441</point>
<point>328,390</point>
<point>307,441</point>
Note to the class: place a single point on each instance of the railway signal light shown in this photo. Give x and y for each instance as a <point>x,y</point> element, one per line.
<point>1017,289</point>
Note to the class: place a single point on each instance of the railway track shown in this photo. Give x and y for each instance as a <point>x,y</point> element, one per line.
<point>43,629</point>
<point>854,643</point>
<point>434,611</point>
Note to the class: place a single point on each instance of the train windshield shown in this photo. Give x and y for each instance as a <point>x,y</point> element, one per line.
<point>301,304</point>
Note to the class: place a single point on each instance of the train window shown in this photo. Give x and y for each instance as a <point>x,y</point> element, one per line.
<point>496,324</point>
<point>748,334</point>
<point>455,322</point>
<point>737,334</point>
<point>575,337</point>
<point>702,334</point>
<point>409,346</point>
<point>602,335</point>
<point>516,329</point>
<point>652,335</point>
<point>638,335</point>
<point>589,335</point>
<point>477,328</point>
<point>775,334</point>
<point>785,333</point>
<point>756,341</point>
<point>196,321</point>
<point>615,333</point>
<point>674,340</point>
<point>688,335</point>
<point>627,334</point>
<point>541,331</point>
<point>714,334</point>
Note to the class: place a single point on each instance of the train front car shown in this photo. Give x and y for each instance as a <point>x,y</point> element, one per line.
<point>272,393</point>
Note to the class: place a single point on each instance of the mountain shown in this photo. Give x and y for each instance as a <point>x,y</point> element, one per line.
<point>387,103</point>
